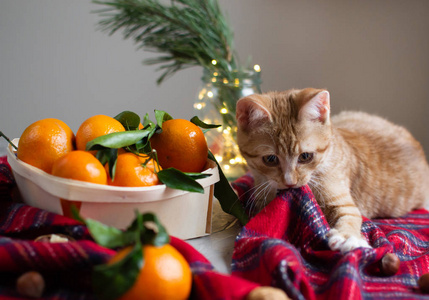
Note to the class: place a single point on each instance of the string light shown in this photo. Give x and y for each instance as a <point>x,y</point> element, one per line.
<point>202,94</point>
<point>238,159</point>
<point>227,130</point>
<point>199,105</point>
<point>227,153</point>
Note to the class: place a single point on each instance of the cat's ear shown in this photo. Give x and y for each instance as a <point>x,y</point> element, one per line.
<point>251,112</point>
<point>317,108</point>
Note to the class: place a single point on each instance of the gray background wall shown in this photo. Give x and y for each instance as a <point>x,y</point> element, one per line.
<point>372,55</point>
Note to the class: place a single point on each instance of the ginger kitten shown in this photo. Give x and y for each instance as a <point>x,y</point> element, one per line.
<point>356,164</point>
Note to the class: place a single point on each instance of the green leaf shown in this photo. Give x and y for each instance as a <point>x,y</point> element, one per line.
<point>198,175</point>
<point>108,155</point>
<point>108,236</point>
<point>76,215</point>
<point>157,236</point>
<point>118,139</point>
<point>150,229</point>
<point>147,121</point>
<point>105,155</point>
<point>161,117</point>
<point>104,235</point>
<point>228,199</point>
<point>129,120</point>
<point>110,281</point>
<point>176,179</point>
<point>144,146</point>
<point>201,124</point>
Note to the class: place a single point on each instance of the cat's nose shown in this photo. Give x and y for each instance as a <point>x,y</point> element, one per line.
<point>290,180</point>
<point>288,184</point>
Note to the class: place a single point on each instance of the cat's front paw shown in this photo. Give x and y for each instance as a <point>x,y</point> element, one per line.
<point>338,241</point>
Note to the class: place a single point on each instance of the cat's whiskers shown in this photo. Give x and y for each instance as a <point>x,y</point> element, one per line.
<point>250,200</point>
<point>251,190</point>
<point>265,200</point>
<point>317,190</point>
<point>259,201</point>
<point>258,198</point>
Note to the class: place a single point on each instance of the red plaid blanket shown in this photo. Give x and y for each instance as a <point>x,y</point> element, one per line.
<point>284,246</point>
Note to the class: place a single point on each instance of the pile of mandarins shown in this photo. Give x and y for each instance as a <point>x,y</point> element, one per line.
<point>51,146</point>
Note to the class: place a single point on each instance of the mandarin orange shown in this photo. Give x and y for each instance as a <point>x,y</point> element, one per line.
<point>165,274</point>
<point>181,145</point>
<point>94,127</point>
<point>44,141</point>
<point>131,171</point>
<point>80,165</point>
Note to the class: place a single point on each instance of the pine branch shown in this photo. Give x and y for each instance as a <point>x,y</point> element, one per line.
<point>186,33</point>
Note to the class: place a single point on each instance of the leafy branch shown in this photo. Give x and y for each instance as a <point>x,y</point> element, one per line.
<point>187,32</point>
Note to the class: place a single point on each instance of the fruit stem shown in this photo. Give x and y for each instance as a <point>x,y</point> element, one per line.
<point>147,160</point>
<point>155,158</point>
<point>152,156</point>
<point>8,140</point>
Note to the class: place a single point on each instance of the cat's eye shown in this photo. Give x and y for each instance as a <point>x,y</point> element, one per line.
<point>270,160</point>
<point>305,158</point>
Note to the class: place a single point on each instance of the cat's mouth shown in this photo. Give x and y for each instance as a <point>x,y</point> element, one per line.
<point>288,186</point>
<point>292,185</point>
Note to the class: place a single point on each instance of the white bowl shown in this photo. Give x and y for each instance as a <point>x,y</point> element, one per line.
<point>184,214</point>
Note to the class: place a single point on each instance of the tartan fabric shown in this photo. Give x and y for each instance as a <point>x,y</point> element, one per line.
<point>7,181</point>
<point>66,267</point>
<point>6,177</point>
<point>285,245</point>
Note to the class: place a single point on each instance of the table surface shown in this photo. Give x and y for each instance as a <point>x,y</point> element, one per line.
<point>216,247</point>
<point>219,245</point>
